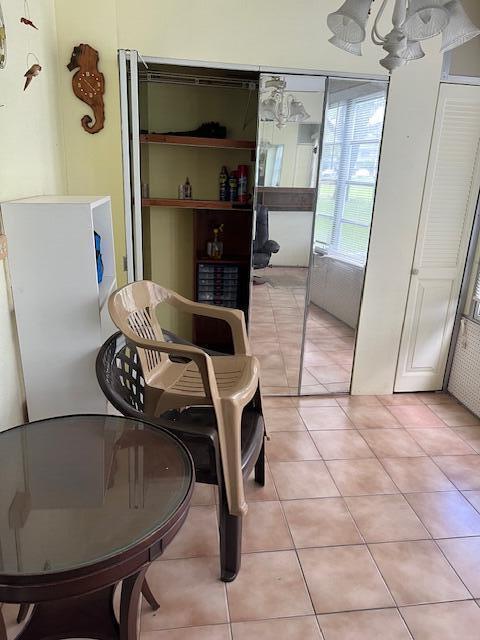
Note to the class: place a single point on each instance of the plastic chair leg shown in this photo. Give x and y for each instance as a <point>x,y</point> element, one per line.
<point>230,531</point>
<point>260,467</point>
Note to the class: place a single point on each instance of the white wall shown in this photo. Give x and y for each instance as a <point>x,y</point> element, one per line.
<point>336,287</point>
<point>31,154</point>
<point>293,232</point>
<point>403,163</point>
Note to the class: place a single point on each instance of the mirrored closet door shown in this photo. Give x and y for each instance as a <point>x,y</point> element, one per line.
<point>350,154</point>
<point>288,142</point>
<point>319,145</point>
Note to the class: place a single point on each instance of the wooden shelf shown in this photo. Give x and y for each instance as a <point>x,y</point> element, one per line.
<point>287,198</point>
<point>195,204</point>
<point>188,141</point>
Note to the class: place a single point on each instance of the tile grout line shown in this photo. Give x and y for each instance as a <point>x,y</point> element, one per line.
<point>432,539</point>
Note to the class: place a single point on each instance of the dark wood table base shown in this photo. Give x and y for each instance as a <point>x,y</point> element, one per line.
<point>89,616</point>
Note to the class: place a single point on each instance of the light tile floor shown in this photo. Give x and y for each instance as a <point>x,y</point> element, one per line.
<point>368,529</point>
<point>276,331</point>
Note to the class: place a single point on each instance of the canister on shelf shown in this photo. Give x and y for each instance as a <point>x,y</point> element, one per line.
<point>242,173</point>
<point>223,184</point>
<point>233,184</point>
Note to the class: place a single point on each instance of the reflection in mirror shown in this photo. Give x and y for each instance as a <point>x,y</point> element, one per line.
<point>63,479</point>
<point>290,125</point>
<point>348,176</point>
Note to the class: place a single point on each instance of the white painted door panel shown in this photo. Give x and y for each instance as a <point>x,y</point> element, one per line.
<point>450,197</point>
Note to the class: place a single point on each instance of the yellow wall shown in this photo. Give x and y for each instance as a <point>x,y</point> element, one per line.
<point>93,162</point>
<point>31,158</point>
<point>169,231</point>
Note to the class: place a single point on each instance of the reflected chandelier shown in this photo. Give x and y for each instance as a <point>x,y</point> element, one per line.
<point>281,107</point>
<point>413,21</point>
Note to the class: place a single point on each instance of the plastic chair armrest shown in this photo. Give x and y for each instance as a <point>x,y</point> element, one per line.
<point>234,317</point>
<point>201,359</point>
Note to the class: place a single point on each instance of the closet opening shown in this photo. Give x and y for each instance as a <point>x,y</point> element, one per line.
<point>255,191</point>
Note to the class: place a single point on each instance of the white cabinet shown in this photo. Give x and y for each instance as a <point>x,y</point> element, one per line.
<point>60,308</point>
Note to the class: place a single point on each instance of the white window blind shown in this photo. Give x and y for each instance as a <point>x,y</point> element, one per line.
<point>348,174</point>
<point>476,290</point>
<point>476,298</point>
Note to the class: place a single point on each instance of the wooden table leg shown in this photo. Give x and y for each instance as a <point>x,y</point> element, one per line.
<point>129,605</point>
<point>149,597</point>
<point>87,616</point>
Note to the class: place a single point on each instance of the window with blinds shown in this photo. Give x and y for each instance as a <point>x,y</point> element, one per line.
<point>348,174</point>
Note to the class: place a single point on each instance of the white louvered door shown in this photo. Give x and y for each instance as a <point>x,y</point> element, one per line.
<point>450,197</point>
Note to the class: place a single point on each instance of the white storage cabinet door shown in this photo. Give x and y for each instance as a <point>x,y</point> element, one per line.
<point>449,204</point>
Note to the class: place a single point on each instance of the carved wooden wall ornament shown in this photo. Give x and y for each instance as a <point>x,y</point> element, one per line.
<point>88,85</point>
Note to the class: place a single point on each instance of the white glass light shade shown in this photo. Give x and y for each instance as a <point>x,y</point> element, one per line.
<point>413,51</point>
<point>276,82</point>
<point>356,49</point>
<point>425,19</point>
<point>297,112</point>
<point>392,62</point>
<point>400,50</point>
<point>460,28</point>
<point>268,109</point>
<point>349,22</point>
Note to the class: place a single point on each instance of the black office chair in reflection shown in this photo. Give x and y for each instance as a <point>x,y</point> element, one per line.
<point>263,247</point>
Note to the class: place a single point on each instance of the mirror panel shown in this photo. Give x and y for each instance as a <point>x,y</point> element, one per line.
<point>289,132</point>
<point>354,119</point>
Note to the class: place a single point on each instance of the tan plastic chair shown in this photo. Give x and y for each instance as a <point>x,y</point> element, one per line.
<point>227,383</point>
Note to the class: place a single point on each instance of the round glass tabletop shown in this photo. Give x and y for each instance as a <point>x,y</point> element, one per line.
<point>77,490</point>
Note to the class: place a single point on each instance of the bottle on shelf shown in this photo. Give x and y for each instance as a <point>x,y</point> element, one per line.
<point>223,184</point>
<point>242,173</point>
<point>233,184</point>
<point>215,247</point>
<point>187,189</point>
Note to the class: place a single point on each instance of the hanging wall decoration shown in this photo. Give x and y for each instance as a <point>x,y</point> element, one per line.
<point>28,22</point>
<point>26,19</point>
<point>3,41</point>
<point>32,72</point>
<point>88,85</point>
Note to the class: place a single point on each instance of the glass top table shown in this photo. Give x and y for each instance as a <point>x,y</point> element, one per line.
<point>86,495</point>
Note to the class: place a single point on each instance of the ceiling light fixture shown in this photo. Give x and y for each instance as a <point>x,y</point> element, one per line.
<point>279,106</point>
<point>413,21</point>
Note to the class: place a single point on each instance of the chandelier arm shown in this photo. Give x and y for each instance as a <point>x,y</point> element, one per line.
<point>376,37</point>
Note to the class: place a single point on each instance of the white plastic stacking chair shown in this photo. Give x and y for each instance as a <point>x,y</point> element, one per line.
<point>227,383</point>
